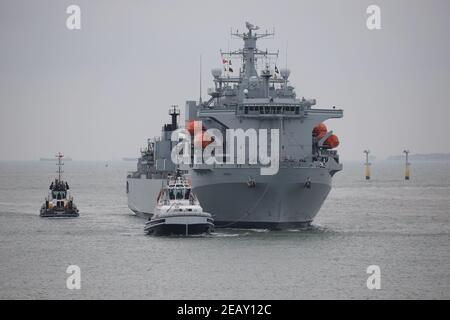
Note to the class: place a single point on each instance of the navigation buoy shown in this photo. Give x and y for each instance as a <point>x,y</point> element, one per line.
<point>407,165</point>
<point>367,165</point>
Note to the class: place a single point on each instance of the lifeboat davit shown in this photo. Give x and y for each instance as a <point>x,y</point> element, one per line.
<point>204,138</point>
<point>190,126</point>
<point>320,130</point>
<point>331,142</point>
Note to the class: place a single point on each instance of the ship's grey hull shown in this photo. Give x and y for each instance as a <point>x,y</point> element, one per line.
<point>281,201</point>
<point>142,194</point>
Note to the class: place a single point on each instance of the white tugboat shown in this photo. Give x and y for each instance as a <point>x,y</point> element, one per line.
<point>178,211</point>
<point>59,202</point>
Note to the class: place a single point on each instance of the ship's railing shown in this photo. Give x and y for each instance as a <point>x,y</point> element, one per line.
<point>330,113</point>
<point>137,174</point>
<point>150,174</point>
<point>319,163</point>
<point>217,109</point>
<point>133,174</point>
<point>272,110</point>
<point>258,110</point>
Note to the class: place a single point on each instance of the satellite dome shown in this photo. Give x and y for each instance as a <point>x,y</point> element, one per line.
<point>216,72</point>
<point>285,73</point>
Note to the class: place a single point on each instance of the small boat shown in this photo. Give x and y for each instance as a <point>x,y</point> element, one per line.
<point>59,202</point>
<point>178,211</point>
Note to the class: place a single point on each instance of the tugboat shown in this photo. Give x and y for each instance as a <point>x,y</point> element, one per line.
<point>178,211</point>
<point>59,202</point>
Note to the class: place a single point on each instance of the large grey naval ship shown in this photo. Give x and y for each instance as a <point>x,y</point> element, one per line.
<point>257,95</point>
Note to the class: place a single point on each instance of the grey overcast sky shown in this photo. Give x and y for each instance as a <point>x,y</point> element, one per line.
<point>99,92</point>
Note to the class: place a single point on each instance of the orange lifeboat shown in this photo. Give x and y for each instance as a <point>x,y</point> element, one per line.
<point>204,138</point>
<point>331,142</point>
<point>190,126</point>
<point>320,130</point>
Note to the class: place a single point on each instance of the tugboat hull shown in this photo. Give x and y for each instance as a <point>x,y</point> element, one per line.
<point>53,213</point>
<point>179,225</point>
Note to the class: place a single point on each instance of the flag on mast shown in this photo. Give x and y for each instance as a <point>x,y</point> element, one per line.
<point>226,64</point>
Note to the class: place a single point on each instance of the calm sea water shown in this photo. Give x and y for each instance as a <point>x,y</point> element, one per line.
<point>401,226</point>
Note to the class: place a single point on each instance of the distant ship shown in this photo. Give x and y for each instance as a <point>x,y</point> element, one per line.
<point>53,159</point>
<point>59,201</point>
<point>237,195</point>
<point>438,157</point>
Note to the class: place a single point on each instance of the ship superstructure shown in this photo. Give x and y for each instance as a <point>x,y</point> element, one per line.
<point>264,99</point>
<point>153,168</point>
<point>255,96</point>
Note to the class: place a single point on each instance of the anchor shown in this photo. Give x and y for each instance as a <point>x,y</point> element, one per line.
<point>251,182</point>
<point>307,184</point>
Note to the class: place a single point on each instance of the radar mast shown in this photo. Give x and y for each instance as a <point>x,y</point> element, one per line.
<point>250,52</point>
<point>59,156</point>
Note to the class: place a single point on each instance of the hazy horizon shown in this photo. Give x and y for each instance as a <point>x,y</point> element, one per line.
<point>419,157</point>
<point>98,93</point>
